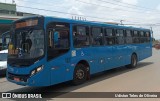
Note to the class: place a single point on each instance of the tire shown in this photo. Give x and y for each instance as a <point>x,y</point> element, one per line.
<point>134,61</point>
<point>80,74</point>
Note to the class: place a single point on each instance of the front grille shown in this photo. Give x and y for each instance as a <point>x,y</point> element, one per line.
<point>20,77</point>
<point>19,62</point>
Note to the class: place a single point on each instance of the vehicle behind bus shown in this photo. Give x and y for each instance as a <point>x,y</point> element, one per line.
<point>5,40</point>
<point>3,62</point>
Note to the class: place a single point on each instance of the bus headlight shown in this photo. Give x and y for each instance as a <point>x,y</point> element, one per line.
<point>35,71</point>
<point>39,68</point>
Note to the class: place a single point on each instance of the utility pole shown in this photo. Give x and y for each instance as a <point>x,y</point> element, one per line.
<point>152,33</point>
<point>121,21</point>
<point>13,2</point>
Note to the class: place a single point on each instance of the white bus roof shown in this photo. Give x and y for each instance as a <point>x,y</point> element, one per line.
<point>4,51</point>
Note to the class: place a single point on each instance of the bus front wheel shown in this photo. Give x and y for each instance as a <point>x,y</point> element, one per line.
<point>133,61</point>
<point>80,74</point>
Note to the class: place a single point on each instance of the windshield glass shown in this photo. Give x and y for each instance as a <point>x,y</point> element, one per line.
<point>27,44</point>
<point>3,56</point>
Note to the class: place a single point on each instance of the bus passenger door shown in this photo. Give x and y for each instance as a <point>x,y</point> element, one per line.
<point>58,47</point>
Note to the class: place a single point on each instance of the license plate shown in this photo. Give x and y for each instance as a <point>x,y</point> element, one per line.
<point>16,79</point>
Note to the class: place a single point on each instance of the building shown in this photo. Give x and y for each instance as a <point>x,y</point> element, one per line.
<point>9,13</point>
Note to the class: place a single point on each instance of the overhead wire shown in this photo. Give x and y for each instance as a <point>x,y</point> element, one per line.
<point>60,12</point>
<point>133,5</point>
<point>81,10</point>
<point>79,15</point>
<point>95,17</point>
<point>119,9</point>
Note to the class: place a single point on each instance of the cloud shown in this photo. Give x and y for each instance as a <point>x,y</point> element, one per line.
<point>75,10</point>
<point>158,7</point>
<point>134,2</point>
<point>96,10</point>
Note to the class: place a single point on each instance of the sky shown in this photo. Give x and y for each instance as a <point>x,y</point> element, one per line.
<point>139,13</point>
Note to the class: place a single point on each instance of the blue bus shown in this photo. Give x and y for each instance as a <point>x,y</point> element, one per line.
<point>5,40</point>
<point>46,50</point>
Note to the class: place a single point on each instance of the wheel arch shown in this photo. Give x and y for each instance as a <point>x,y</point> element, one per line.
<point>86,64</point>
<point>130,65</point>
<point>134,53</point>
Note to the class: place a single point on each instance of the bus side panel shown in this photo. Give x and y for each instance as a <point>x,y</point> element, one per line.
<point>99,55</point>
<point>119,55</point>
<point>128,53</point>
<point>109,61</point>
<point>60,69</point>
<point>95,56</point>
<point>141,52</point>
<point>83,54</point>
<point>148,50</point>
<point>137,49</point>
<point>40,79</point>
<point>144,51</point>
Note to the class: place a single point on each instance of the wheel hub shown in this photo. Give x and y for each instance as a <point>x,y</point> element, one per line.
<point>80,74</point>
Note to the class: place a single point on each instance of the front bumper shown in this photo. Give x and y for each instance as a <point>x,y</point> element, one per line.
<point>21,79</point>
<point>25,80</point>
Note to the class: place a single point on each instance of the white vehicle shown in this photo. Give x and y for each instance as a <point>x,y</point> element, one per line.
<point>3,61</point>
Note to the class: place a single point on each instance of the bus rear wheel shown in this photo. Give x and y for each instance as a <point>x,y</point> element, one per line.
<point>133,62</point>
<point>80,74</point>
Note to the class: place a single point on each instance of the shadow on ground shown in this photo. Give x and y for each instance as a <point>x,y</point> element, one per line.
<point>2,73</point>
<point>64,88</point>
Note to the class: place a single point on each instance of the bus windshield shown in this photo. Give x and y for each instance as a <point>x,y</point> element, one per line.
<point>27,44</point>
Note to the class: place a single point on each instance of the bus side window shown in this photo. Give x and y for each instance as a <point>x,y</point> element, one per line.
<point>50,38</point>
<point>58,39</point>
<point>135,37</point>
<point>109,37</point>
<point>142,38</point>
<point>120,37</point>
<point>129,37</point>
<point>147,36</point>
<point>56,36</point>
<point>80,36</point>
<point>97,36</point>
